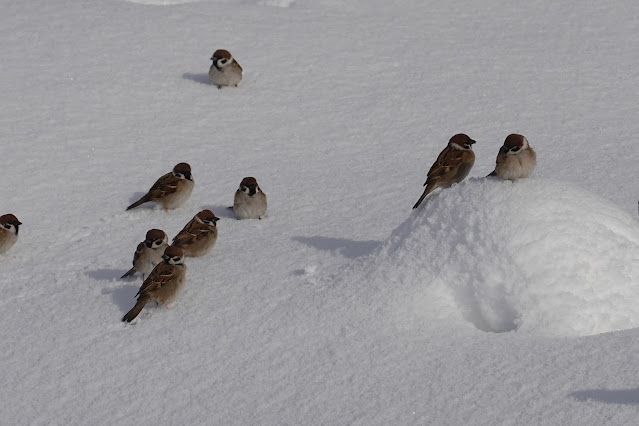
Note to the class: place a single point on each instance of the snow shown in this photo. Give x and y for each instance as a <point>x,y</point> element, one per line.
<point>538,256</point>
<point>497,302</point>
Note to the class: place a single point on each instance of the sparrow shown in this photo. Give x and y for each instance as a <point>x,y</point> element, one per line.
<point>516,159</point>
<point>250,201</point>
<point>171,190</point>
<point>199,235</point>
<point>9,227</point>
<point>163,284</point>
<point>452,165</point>
<point>225,71</point>
<point>149,253</point>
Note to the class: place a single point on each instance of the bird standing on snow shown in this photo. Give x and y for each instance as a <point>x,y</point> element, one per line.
<point>452,165</point>
<point>9,227</point>
<point>516,159</point>
<point>199,235</point>
<point>171,190</point>
<point>163,284</point>
<point>225,70</point>
<point>250,201</point>
<point>149,253</point>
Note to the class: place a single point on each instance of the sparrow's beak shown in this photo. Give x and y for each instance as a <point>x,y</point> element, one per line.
<point>472,142</point>
<point>19,223</point>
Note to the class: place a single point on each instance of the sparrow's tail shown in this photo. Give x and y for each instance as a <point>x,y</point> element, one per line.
<point>139,305</point>
<point>429,188</point>
<point>420,200</point>
<point>142,200</point>
<point>129,273</point>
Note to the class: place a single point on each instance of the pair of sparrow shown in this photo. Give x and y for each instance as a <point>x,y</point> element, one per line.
<point>196,239</point>
<point>174,188</point>
<point>9,227</point>
<point>515,160</point>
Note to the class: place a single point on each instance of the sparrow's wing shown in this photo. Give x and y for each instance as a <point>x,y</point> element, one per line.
<point>192,232</point>
<point>501,157</point>
<point>447,164</point>
<point>158,278</point>
<point>138,252</point>
<point>167,184</point>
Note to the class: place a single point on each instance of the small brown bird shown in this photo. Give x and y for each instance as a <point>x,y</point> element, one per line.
<point>250,201</point>
<point>199,235</point>
<point>9,227</point>
<point>516,159</point>
<point>225,70</point>
<point>164,283</point>
<point>149,253</point>
<point>452,165</point>
<point>171,190</point>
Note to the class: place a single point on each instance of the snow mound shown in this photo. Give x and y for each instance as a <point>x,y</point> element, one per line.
<point>536,255</point>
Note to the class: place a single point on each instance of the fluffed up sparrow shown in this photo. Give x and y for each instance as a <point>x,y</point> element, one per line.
<point>149,253</point>
<point>171,190</point>
<point>250,201</point>
<point>163,284</point>
<point>516,159</point>
<point>452,165</point>
<point>9,227</point>
<point>225,70</point>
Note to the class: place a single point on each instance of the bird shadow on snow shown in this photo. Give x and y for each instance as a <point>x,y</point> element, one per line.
<point>198,78</point>
<point>123,296</point>
<point>622,396</point>
<point>348,248</point>
<point>106,274</point>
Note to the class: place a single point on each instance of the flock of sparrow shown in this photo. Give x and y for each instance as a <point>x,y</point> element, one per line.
<point>162,265</point>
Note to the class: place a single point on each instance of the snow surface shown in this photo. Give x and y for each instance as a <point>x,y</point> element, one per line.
<point>342,305</point>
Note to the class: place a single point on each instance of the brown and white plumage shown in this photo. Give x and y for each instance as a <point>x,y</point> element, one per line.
<point>249,201</point>
<point>452,165</point>
<point>9,227</point>
<point>163,284</point>
<point>149,253</point>
<point>171,190</point>
<point>225,70</point>
<point>516,159</point>
<point>198,236</point>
